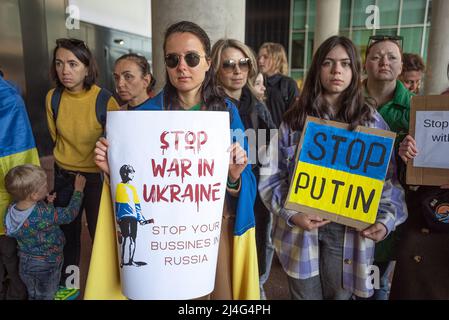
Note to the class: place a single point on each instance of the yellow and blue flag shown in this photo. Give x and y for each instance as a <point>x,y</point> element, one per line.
<point>17,144</point>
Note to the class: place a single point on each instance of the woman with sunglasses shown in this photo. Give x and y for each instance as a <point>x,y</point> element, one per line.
<point>191,86</point>
<point>235,70</point>
<point>383,65</point>
<point>134,82</point>
<point>74,126</point>
<point>323,259</point>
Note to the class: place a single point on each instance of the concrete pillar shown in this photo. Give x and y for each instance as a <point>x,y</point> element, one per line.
<point>327,21</point>
<point>218,18</point>
<point>438,50</point>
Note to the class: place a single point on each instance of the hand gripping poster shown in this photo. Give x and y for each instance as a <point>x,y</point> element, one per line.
<point>168,174</point>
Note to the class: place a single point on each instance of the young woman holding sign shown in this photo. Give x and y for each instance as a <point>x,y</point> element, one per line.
<point>191,87</point>
<point>422,262</point>
<point>322,259</point>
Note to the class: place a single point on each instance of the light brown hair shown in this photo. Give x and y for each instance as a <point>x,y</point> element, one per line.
<point>23,180</point>
<point>277,53</point>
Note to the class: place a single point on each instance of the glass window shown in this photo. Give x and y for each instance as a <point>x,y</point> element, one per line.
<point>312,14</point>
<point>387,32</point>
<point>360,39</point>
<point>344,33</point>
<point>345,13</point>
<point>426,44</point>
<point>298,49</point>
<point>412,39</point>
<point>359,14</point>
<point>413,12</point>
<point>389,12</point>
<point>299,14</point>
<point>298,76</point>
<point>310,49</point>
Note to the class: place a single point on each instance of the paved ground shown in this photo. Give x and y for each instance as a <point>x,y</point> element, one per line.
<point>276,287</point>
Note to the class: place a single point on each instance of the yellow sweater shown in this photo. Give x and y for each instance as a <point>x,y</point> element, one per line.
<point>76,129</point>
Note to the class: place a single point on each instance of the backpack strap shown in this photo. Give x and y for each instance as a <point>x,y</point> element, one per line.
<point>55,101</point>
<point>101,106</point>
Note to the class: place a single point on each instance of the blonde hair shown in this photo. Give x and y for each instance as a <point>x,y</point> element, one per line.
<point>217,51</point>
<point>277,53</point>
<point>22,181</point>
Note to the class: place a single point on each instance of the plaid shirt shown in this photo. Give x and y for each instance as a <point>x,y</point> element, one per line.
<point>297,249</point>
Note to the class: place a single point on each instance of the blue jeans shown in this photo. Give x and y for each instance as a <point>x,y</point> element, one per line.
<point>328,284</point>
<point>40,277</point>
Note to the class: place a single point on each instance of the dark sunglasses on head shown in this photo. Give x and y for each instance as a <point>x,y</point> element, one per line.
<point>397,39</point>
<point>71,41</point>
<point>230,65</point>
<point>192,59</point>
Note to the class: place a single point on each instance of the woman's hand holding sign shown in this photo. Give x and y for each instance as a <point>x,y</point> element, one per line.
<point>408,149</point>
<point>237,163</point>
<point>376,232</point>
<point>101,155</point>
<point>307,221</point>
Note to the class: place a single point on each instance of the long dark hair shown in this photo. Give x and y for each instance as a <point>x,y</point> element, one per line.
<point>354,109</point>
<point>211,95</point>
<point>83,54</point>
<point>143,65</point>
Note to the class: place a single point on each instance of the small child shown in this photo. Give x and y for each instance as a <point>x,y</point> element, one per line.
<point>35,225</point>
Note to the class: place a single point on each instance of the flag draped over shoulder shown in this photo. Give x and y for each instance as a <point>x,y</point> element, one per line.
<point>17,144</point>
<point>103,280</point>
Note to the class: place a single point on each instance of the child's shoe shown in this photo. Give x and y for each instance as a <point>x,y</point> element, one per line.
<point>65,293</point>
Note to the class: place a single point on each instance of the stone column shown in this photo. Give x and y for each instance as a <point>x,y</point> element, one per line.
<point>438,49</point>
<point>218,17</point>
<point>327,22</point>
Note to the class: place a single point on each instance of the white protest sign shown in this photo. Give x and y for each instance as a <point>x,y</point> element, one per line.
<point>168,181</point>
<point>432,139</point>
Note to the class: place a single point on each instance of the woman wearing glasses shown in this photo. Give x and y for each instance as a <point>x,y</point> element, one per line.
<point>75,124</point>
<point>235,71</point>
<point>383,65</point>
<point>190,86</point>
<point>323,259</point>
<point>134,82</point>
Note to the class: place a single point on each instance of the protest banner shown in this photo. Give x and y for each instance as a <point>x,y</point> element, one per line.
<point>339,174</point>
<point>168,173</point>
<point>429,125</point>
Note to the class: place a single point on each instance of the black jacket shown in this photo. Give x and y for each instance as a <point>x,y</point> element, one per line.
<point>254,115</point>
<point>281,92</point>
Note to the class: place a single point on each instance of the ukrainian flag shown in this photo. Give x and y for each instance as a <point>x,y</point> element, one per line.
<point>17,145</point>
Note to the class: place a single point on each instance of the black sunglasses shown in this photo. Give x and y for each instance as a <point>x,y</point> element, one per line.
<point>70,41</point>
<point>192,59</point>
<point>399,40</point>
<point>230,65</point>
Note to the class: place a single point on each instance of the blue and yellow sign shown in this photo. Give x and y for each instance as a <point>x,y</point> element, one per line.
<point>341,172</point>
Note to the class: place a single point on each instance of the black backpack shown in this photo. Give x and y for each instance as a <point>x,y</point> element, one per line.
<point>435,208</point>
<point>101,104</point>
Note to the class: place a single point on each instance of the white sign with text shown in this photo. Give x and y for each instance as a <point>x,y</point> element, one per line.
<point>432,139</point>
<point>168,183</point>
